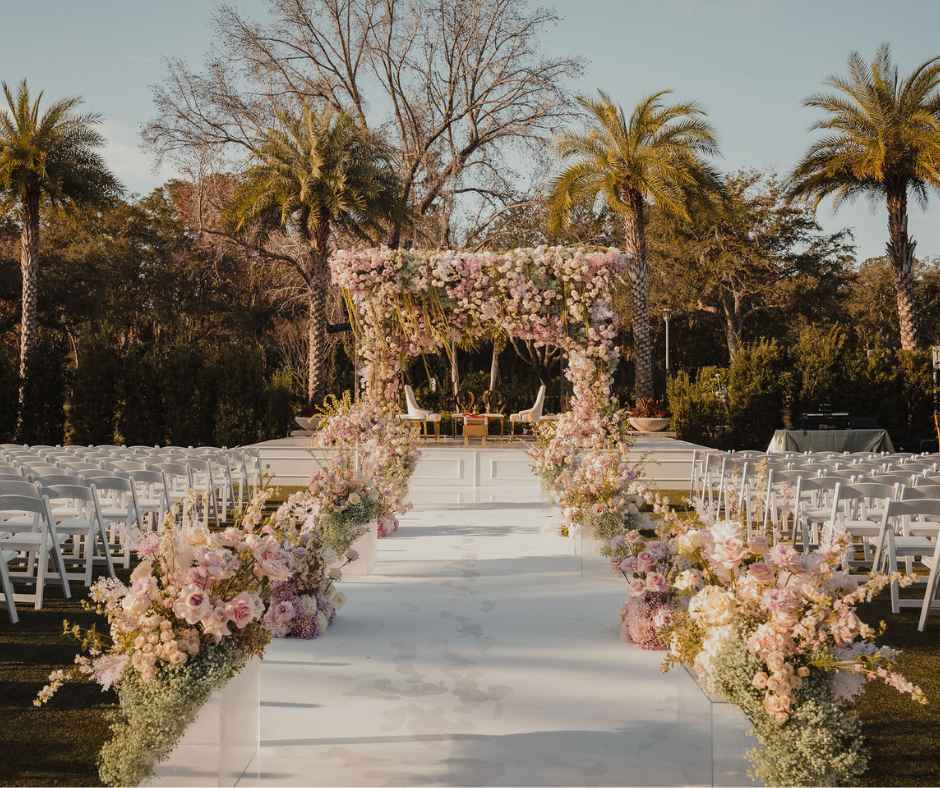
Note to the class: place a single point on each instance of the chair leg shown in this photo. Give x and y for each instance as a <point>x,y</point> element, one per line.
<point>43,558</point>
<point>8,593</point>
<point>107,550</point>
<point>929,595</point>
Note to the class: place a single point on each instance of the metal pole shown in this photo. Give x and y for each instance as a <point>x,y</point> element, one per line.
<point>666,318</point>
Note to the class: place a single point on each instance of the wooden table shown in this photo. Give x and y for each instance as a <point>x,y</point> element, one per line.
<point>477,425</point>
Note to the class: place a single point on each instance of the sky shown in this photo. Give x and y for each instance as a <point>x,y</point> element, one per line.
<point>750,64</point>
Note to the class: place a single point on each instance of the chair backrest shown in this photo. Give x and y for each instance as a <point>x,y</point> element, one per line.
<point>539,403</point>
<point>924,506</point>
<point>72,492</point>
<point>23,503</point>
<point>114,483</point>
<point>921,492</point>
<point>104,473</point>
<point>60,478</point>
<point>18,487</point>
<point>411,403</point>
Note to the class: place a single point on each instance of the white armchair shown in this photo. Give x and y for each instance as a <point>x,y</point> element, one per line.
<point>418,414</point>
<point>531,416</point>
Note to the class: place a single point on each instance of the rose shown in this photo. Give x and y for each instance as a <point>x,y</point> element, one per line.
<point>688,580</point>
<point>645,562</point>
<point>656,583</point>
<point>762,572</point>
<point>636,587</point>
<point>244,609</point>
<point>192,605</point>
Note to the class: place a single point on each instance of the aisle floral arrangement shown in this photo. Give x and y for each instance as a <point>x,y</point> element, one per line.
<point>386,450</point>
<point>777,633</point>
<point>648,565</point>
<point>318,528</point>
<point>191,618</point>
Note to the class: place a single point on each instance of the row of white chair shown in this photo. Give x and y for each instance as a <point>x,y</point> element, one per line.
<point>887,505</point>
<point>80,499</point>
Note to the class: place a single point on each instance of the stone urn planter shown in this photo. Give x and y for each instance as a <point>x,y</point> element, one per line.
<point>649,424</point>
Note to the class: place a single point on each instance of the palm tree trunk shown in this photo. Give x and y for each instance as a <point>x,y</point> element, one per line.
<point>901,253</point>
<point>29,262</point>
<point>316,341</point>
<point>635,247</point>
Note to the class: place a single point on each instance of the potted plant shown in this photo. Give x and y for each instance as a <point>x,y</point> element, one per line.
<point>648,415</point>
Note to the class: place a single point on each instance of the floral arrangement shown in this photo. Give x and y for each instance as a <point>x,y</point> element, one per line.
<point>777,632</point>
<point>318,528</point>
<point>386,450</point>
<point>649,566</point>
<point>648,409</point>
<point>598,491</point>
<point>190,619</point>
<point>407,302</point>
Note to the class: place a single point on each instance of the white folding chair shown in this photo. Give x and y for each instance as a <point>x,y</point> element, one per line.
<point>150,492</point>
<point>37,542</point>
<point>117,508</point>
<point>76,513</point>
<point>923,543</point>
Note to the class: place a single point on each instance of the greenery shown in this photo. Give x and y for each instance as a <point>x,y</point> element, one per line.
<point>883,139</point>
<point>654,156</point>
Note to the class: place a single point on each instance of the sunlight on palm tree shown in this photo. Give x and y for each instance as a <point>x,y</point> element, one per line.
<point>882,140</point>
<point>316,174</point>
<point>653,157</point>
<point>48,156</point>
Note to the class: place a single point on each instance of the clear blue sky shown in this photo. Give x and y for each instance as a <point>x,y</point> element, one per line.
<point>749,63</point>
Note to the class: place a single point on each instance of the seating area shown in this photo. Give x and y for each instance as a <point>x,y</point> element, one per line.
<point>66,509</point>
<point>886,505</point>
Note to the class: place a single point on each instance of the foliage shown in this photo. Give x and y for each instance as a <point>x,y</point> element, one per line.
<point>778,633</point>
<point>758,387</point>
<point>155,714</point>
<point>648,409</point>
<point>699,408</point>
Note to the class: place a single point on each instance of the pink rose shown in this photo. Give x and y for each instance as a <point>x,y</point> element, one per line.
<point>192,605</point>
<point>645,562</point>
<point>762,572</point>
<point>636,587</point>
<point>243,609</point>
<point>656,583</point>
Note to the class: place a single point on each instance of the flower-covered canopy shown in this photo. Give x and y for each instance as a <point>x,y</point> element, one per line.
<point>407,302</point>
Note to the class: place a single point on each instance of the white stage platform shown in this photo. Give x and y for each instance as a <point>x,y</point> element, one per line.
<point>451,473</point>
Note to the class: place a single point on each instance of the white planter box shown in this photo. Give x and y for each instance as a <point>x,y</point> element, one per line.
<point>727,732</point>
<point>224,738</point>
<point>365,545</point>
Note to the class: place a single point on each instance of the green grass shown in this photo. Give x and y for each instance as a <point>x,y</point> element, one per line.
<point>57,744</point>
<point>904,738</point>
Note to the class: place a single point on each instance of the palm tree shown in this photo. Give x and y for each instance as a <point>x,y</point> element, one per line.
<point>883,140</point>
<point>654,157</point>
<point>49,157</point>
<point>314,174</point>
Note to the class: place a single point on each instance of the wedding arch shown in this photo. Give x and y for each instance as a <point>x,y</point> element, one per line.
<point>404,303</point>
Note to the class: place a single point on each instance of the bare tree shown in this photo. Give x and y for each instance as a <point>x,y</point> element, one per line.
<point>454,85</point>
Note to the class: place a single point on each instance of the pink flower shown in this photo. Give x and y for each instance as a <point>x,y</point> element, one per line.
<point>108,669</point>
<point>645,562</point>
<point>656,583</point>
<point>785,557</point>
<point>215,624</point>
<point>636,587</point>
<point>244,609</point>
<point>763,573</point>
<point>192,605</point>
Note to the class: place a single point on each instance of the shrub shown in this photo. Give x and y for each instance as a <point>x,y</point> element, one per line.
<point>757,387</point>
<point>699,406</point>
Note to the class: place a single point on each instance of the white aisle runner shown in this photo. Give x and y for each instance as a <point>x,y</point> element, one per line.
<point>476,654</point>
